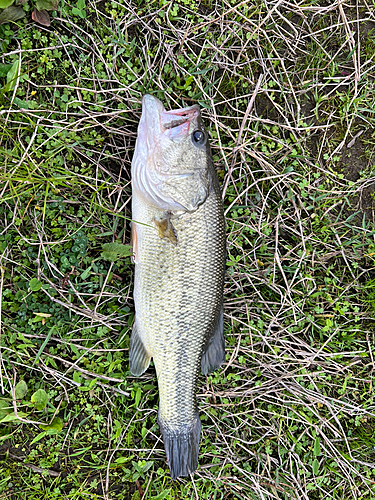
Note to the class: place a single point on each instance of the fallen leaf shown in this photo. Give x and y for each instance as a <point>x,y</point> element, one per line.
<point>41,17</point>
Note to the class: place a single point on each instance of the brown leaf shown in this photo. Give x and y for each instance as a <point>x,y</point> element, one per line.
<point>41,17</point>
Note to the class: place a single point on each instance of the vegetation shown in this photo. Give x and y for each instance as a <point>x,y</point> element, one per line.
<point>288,96</point>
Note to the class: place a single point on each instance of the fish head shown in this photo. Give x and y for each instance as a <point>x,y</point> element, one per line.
<point>171,163</point>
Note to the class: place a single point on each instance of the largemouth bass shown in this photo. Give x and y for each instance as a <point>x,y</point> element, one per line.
<point>179,253</point>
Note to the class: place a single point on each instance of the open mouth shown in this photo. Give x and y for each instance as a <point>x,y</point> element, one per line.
<point>178,117</point>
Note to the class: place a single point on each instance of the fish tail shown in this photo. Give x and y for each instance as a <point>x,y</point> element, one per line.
<point>181,446</point>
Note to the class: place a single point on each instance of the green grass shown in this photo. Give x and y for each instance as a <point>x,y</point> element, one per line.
<point>285,89</point>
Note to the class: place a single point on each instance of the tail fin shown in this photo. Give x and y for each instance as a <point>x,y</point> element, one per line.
<point>181,447</point>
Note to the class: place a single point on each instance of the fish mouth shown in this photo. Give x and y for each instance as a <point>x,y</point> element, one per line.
<point>175,124</point>
<point>177,117</point>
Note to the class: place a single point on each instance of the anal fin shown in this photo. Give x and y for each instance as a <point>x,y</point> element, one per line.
<point>139,359</point>
<point>214,350</point>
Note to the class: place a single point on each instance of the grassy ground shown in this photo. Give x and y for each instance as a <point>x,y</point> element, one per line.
<point>288,91</point>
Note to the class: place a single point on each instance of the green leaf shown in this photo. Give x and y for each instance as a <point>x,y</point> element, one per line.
<point>47,4</point>
<point>20,390</point>
<point>138,396</point>
<point>147,466</point>
<point>5,407</point>
<point>93,383</point>
<point>115,251</point>
<point>317,447</point>
<point>12,416</point>
<point>20,102</point>
<point>12,75</point>
<point>45,342</point>
<point>40,399</point>
<point>80,13</point>
<point>204,105</point>
<point>106,233</point>
<point>6,436</point>
<point>77,377</point>
<point>4,68</point>
<point>148,387</point>
<point>38,437</point>
<point>86,273</point>
<point>161,495</point>
<point>80,452</point>
<point>12,14</point>
<point>5,3</point>
<point>35,285</point>
<point>315,467</point>
<point>56,425</point>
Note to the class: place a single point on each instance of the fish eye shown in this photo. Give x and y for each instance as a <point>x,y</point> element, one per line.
<point>199,138</point>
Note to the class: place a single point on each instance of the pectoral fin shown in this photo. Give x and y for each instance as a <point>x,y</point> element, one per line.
<point>134,243</point>
<point>214,350</point>
<point>165,228</point>
<point>139,359</point>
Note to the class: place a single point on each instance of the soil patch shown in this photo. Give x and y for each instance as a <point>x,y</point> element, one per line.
<point>353,162</point>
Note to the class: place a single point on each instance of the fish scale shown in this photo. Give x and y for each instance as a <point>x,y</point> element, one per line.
<point>178,297</point>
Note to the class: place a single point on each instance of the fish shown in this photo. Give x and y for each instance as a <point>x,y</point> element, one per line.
<point>179,247</point>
